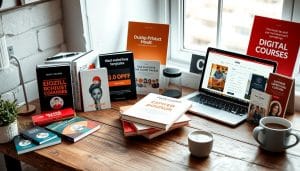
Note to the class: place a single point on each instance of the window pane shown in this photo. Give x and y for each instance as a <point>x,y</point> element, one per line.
<point>237,19</point>
<point>200,22</point>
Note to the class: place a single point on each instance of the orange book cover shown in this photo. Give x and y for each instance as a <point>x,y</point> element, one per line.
<point>279,86</point>
<point>275,40</point>
<point>148,41</point>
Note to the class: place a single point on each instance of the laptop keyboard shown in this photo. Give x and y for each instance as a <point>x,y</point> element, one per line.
<point>220,104</point>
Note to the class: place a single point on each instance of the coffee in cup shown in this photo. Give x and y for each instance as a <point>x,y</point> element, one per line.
<point>275,134</point>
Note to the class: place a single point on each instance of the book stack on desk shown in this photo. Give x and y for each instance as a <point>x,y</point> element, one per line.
<point>34,139</point>
<point>154,115</point>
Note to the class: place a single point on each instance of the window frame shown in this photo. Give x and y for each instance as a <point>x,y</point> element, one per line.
<point>177,52</point>
<point>179,56</point>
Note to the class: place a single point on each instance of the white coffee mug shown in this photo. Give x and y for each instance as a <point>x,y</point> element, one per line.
<point>274,134</point>
<point>200,143</point>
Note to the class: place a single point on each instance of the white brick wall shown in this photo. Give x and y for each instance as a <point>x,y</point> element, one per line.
<point>50,36</point>
<point>35,32</point>
<point>16,21</point>
<point>24,44</point>
<point>46,13</point>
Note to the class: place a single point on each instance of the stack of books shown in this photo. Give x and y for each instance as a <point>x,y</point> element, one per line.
<point>34,139</point>
<point>154,115</point>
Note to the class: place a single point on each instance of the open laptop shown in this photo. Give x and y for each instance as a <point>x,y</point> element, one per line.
<point>224,89</point>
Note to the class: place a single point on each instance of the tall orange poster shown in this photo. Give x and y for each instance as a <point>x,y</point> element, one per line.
<point>276,40</point>
<point>148,41</point>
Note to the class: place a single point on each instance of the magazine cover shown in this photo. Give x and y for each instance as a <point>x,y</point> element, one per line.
<point>147,76</point>
<point>94,89</point>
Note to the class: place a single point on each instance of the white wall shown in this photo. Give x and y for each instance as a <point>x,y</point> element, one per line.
<point>107,21</point>
<point>35,32</point>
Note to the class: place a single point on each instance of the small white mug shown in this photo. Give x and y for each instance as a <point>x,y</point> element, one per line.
<point>200,143</point>
<point>274,133</point>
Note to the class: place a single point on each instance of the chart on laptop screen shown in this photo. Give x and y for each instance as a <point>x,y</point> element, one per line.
<point>230,75</point>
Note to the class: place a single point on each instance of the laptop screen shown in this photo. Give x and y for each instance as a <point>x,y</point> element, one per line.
<point>234,75</point>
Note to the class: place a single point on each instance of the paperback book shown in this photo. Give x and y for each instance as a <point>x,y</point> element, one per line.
<point>94,89</point>
<point>74,129</point>
<point>39,135</point>
<point>55,87</point>
<point>24,145</point>
<point>147,76</point>
<point>280,87</point>
<point>258,106</point>
<point>77,61</point>
<point>52,116</point>
<point>157,111</point>
<point>121,75</point>
<point>148,41</point>
<point>257,82</point>
<point>276,40</point>
<point>133,129</point>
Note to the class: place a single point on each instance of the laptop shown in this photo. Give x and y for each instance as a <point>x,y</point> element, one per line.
<point>224,88</point>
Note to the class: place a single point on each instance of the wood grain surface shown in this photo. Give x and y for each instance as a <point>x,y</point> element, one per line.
<point>108,149</point>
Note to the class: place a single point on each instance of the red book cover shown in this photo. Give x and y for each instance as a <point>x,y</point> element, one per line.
<point>130,129</point>
<point>52,116</point>
<point>279,86</point>
<point>277,40</point>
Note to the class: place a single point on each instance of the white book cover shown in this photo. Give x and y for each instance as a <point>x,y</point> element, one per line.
<point>94,89</point>
<point>147,76</point>
<point>157,110</point>
<point>258,105</point>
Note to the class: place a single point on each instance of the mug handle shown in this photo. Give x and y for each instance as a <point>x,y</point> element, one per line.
<point>256,131</point>
<point>297,140</point>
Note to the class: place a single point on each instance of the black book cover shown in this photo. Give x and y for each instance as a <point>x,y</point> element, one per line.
<point>55,87</point>
<point>257,82</point>
<point>121,77</point>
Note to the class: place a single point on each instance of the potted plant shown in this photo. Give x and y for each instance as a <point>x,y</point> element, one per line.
<point>8,120</point>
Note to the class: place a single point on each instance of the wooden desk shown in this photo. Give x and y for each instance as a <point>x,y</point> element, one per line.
<point>233,149</point>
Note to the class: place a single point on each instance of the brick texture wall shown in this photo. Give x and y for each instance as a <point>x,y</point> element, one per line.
<point>35,32</point>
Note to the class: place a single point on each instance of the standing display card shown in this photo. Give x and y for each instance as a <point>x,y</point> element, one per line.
<point>148,41</point>
<point>280,87</point>
<point>276,40</point>
<point>147,76</point>
<point>258,106</point>
<point>121,75</point>
<point>94,89</point>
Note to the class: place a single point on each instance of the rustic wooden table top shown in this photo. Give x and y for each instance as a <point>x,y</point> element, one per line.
<point>107,148</point>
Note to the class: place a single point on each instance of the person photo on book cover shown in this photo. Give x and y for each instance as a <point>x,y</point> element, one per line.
<point>56,102</point>
<point>275,109</point>
<point>95,91</point>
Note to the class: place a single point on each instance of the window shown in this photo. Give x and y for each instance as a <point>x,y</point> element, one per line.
<point>225,24</point>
